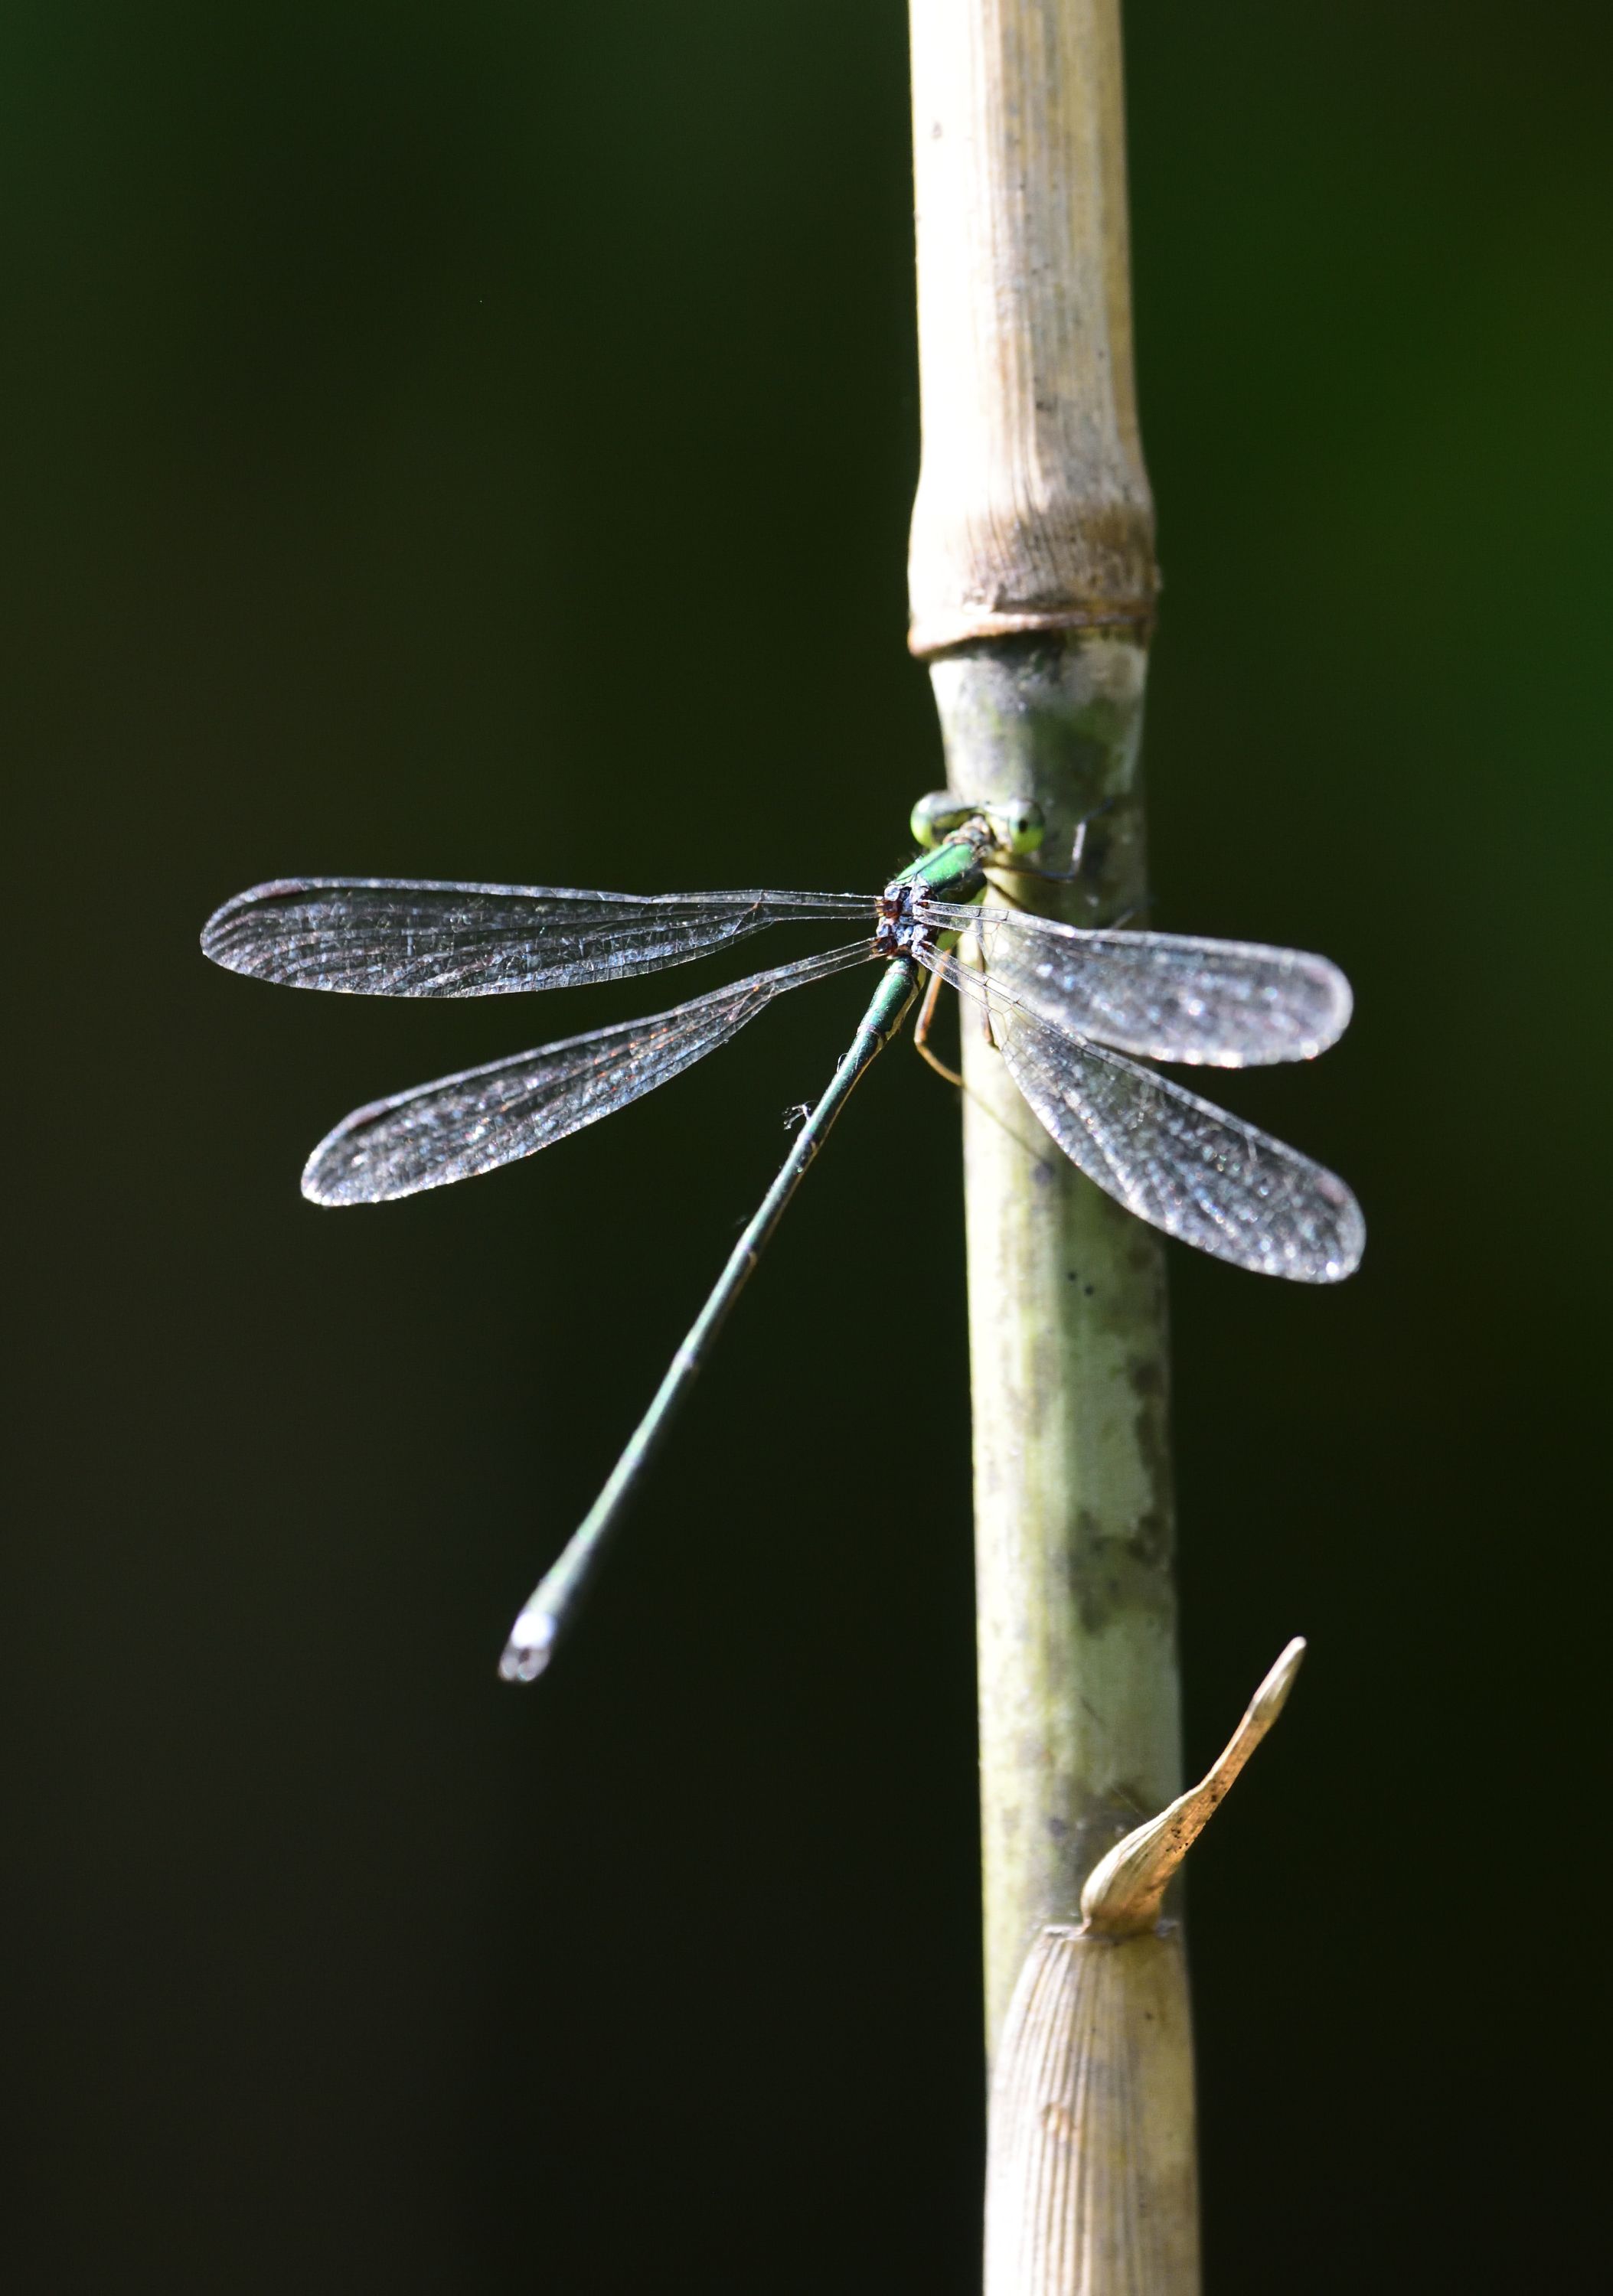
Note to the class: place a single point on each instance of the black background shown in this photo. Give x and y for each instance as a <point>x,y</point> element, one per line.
<point>478,441</point>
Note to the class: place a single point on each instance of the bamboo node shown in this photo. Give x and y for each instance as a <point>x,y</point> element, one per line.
<point>938,631</point>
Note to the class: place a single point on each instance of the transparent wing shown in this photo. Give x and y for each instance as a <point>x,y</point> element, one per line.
<point>486,1117</point>
<point>1202,1176</point>
<point>392,937</point>
<point>1165,996</point>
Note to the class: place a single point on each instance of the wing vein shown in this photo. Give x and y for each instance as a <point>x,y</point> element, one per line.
<point>1162,996</point>
<point>483,1118</point>
<point>403,937</point>
<point>1186,1166</point>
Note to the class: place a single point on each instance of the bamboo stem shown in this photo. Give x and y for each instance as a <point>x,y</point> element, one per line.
<point>1079,1724</point>
<point>1031,581</point>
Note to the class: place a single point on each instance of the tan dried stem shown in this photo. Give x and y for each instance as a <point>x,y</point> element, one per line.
<point>1033,512</point>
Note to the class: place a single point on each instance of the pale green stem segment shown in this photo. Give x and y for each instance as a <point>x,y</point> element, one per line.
<point>1079,1706</point>
<point>554,1601</point>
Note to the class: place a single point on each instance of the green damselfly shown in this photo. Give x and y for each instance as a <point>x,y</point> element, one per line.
<point>1072,1012</point>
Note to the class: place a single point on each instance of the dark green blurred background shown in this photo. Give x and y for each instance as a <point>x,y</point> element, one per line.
<point>478,441</point>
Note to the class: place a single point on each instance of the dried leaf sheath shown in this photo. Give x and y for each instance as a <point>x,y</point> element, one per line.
<point>1091,2189</point>
<point>1090,2184</point>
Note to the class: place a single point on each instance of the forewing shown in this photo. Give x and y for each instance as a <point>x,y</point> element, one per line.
<point>489,1116</point>
<point>1164,996</point>
<point>1202,1176</point>
<point>394,936</point>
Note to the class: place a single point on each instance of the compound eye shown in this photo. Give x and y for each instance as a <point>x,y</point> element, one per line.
<point>1018,825</point>
<point>936,816</point>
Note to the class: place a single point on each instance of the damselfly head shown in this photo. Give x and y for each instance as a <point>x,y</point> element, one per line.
<point>1015,824</point>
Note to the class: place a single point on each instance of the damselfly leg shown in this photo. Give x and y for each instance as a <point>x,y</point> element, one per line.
<point>921,1033</point>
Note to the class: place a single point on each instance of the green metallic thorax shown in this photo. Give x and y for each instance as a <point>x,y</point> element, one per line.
<point>964,841</point>
<point>956,870</point>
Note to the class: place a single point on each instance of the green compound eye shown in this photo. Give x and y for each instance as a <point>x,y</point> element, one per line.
<point>937,815</point>
<point>1018,825</point>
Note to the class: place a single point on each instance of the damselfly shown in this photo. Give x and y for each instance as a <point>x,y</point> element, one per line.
<point>1071,1010</point>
